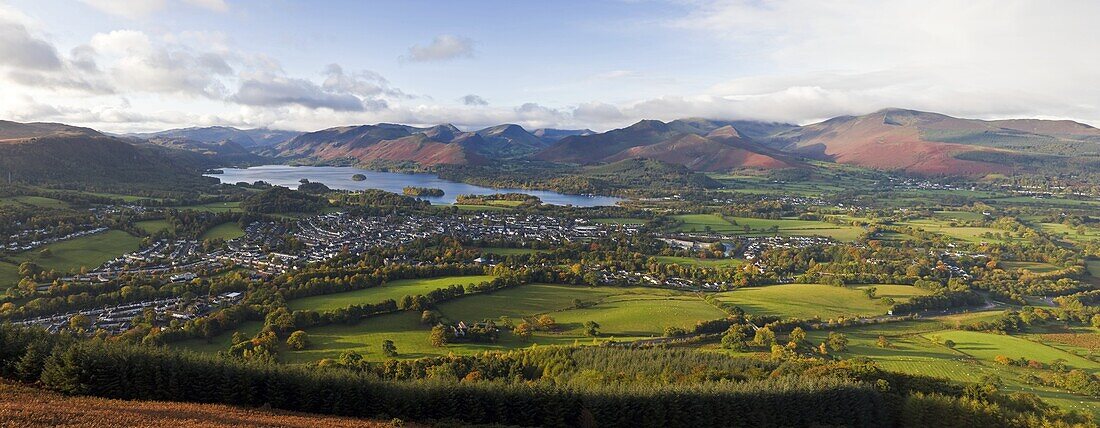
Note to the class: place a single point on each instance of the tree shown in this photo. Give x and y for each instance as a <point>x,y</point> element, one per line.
<point>882,342</point>
<point>734,339</point>
<point>797,337</point>
<point>949,343</point>
<point>591,328</point>
<point>870,292</point>
<point>523,331</point>
<point>546,322</point>
<point>837,342</point>
<point>429,317</point>
<point>439,336</point>
<point>764,337</point>
<point>80,322</point>
<point>298,340</point>
<point>388,348</point>
<point>45,253</point>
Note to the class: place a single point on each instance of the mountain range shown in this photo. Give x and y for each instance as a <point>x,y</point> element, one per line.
<point>909,141</point>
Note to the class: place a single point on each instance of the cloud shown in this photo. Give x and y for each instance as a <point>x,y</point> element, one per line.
<point>364,83</point>
<point>444,47</point>
<point>18,48</point>
<point>137,9</point>
<point>270,91</point>
<point>140,64</point>
<point>473,100</point>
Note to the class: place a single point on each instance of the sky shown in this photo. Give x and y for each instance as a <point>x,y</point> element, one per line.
<point>146,65</point>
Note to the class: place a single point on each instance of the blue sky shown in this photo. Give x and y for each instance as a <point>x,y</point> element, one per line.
<point>150,64</point>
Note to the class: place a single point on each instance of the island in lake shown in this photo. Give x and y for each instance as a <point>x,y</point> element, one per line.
<point>358,177</point>
<point>422,191</point>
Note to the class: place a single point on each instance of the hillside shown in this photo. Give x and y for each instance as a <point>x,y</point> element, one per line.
<point>698,144</point>
<point>60,154</point>
<point>247,138</point>
<point>936,144</point>
<point>22,406</point>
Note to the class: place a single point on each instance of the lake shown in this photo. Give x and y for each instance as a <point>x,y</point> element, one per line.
<point>339,177</point>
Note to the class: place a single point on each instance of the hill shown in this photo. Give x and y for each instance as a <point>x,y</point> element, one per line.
<point>22,406</point>
<point>698,144</point>
<point>936,144</point>
<point>247,138</point>
<point>61,154</point>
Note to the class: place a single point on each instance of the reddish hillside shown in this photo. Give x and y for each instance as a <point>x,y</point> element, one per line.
<point>891,139</point>
<point>702,154</point>
<point>22,406</point>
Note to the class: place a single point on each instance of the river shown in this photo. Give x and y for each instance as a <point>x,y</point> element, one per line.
<point>339,177</point>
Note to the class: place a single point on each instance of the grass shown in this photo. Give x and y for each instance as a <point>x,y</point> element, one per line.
<point>214,207</point>
<point>9,275</point>
<point>225,231</point>
<point>464,207</point>
<point>805,301</point>
<point>965,234</point>
<point>152,226</point>
<point>986,346</point>
<point>86,251</point>
<point>33,201</point>
<point>1034,267</point>
<point>761,226</point>
<point>692,261</point>
<point>1070,234</point>
<point>509,251</point>
<point>623,313</point>
<point>900,293</point>
<point>391,290</point>
<point>222,341</point>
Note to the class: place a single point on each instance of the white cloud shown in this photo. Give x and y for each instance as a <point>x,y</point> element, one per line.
<point>138,63</point>
<point>473,100</point>
<point>444,47</point>
<point>273,91</point>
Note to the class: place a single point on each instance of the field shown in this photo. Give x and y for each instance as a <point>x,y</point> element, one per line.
<point>966,234</point>
<point>509,251</point>
<point>898,292</point>
<point>692,261</point>
<point>88,251</point>
<point>1070,234</point>
<point>632,221</point>
<point>986,346</point>
<point>623,313</point>
<point>24,406</point>
<point>224,231</point>
<point>152,226</point>
<point>1034,267</point>
<point>759,226</point>
<point>222,341</point>
<point>481,207</point>
<point>391,290</point>
<point>33,201</point>
<point>9,275</point>
<point>215,207</point>
<point>810,300</point>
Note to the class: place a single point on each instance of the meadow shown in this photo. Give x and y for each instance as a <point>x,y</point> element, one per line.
<point>391,290</point>
<point>86,251</point>
<point>763,227</point>
<point>33,201</point>
<point>693,261</point>
<point>965,234</point>
<point>1034,267</point>
<point>810,300</point>
<point>152,226</point>
<point>9,275</point>
<point>225,231</point>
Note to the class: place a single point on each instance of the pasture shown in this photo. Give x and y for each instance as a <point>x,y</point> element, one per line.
<point>9,275</point>
<point>86,251</point>
<point>33,201</point>
<point>390,290</point>
<point>222,341</point>
<point>693,261</point>
<point>806,301</point>
<point>986,346</point>
<point>152,226</point>
<point>1033,267</point>
<point>766,227</point>
<point>225,231</point>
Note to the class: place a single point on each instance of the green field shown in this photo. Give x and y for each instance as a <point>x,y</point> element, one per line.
<point>965,234</point>
<point>623,313</point>
<point>222,341</point>
<point>9,275</point>
<point>33,201</point>
<point>762,226</point>
<point>214,207</point>
<point>692,261</point>
<point>152,226</point>
<point>986,346</point>
<point>808,300</point>
<point>1070,234</point>
<point>481,208</point>
<point>958,215</point>
<point>1035,267</point>
<point>509,251</point>
<point>900,293</point>
<point>87,251</point>
<point>391,290</point>
<point>224,231</point>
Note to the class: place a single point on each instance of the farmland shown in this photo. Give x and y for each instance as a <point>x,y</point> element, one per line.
<point>766,227</point>
<point>87,251</point>
<point>810,300</point>
<point>693,261</point>
<point>224,231</point>
<point>152,226</point>
<point>391,290</point>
